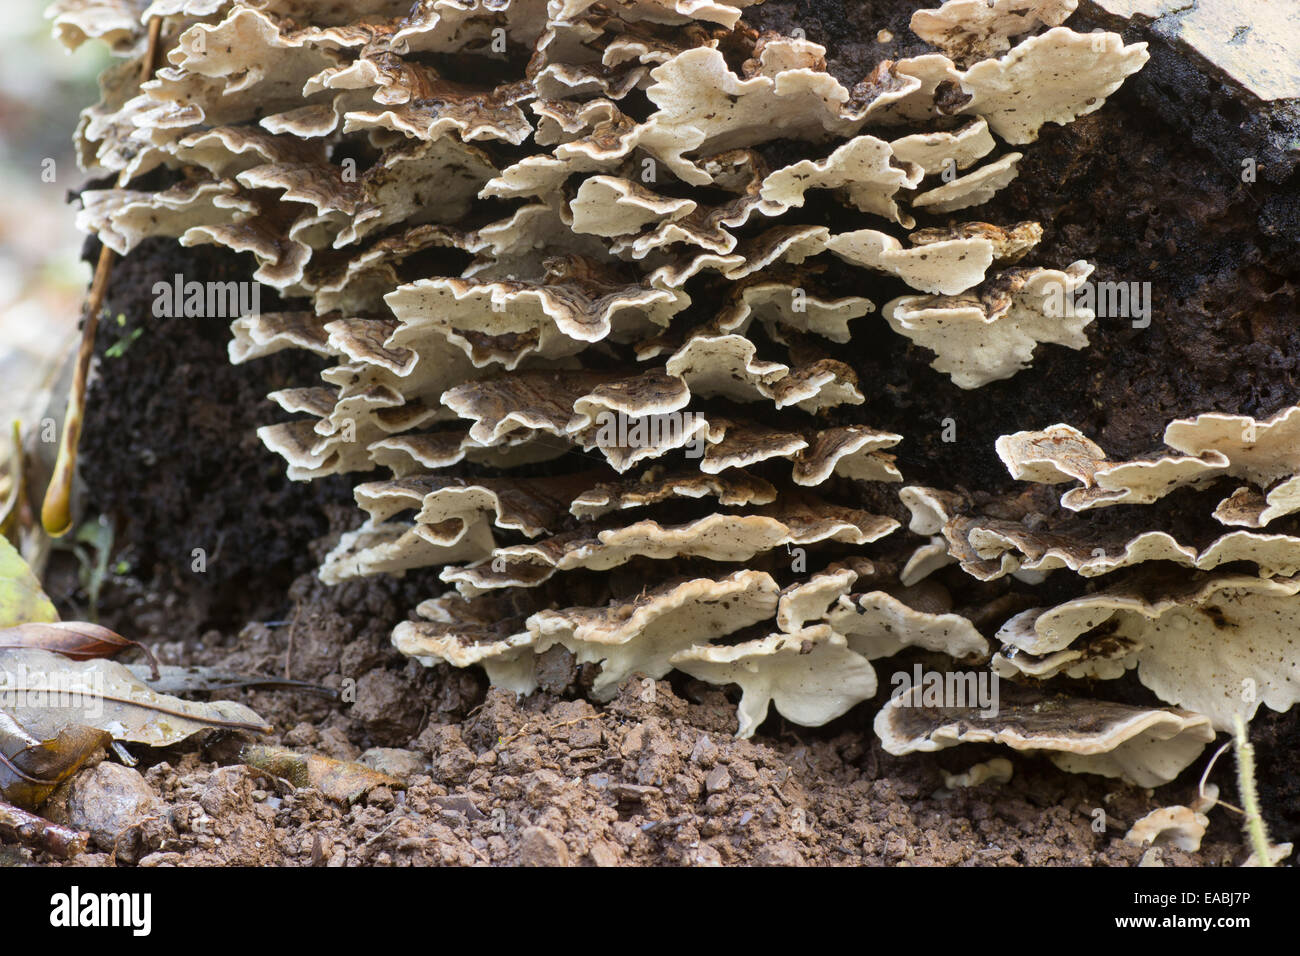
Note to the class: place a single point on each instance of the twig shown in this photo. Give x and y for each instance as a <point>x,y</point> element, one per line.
<point>371,839</point>
<point>151,51</point>
<point>56,510</point>
<point>39,833</point>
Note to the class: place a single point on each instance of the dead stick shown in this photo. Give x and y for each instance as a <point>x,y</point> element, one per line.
<point>151,51</point>
<point>56,510</point>
<point>39,833</point>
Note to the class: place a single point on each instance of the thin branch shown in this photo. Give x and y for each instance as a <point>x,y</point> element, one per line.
<point>56,510</point>
<point>40,834</point>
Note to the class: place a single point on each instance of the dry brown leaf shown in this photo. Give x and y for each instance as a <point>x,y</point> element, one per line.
<point>340,780</point>
<point>78,640</point>
<point>30,768</point>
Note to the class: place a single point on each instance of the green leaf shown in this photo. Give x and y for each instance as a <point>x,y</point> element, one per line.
<point>118,348</point>
<point>21,598</point>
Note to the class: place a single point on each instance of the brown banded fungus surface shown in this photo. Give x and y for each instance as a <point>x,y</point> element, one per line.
<point>600,283</point>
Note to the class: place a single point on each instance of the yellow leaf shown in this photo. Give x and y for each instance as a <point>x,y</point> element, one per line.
<point>21,598</point>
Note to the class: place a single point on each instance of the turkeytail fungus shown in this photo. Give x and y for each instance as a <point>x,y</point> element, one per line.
<point>591,277</point>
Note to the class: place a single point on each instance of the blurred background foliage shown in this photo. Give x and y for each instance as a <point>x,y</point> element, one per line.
<point>42,280</point>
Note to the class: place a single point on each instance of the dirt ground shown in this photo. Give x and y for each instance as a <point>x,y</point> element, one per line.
<point>654,777</point>
<point>651,778</point>
<point>172,462</point>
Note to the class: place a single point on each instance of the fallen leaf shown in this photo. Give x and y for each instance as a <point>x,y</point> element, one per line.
<point>21,597</point>
<point>78,640</point>
<point>31,767</point>
<point>340,780</point>
<point>47,693</point>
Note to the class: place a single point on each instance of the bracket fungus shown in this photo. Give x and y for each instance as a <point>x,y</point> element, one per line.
<point>1207,620</point>
<point>1180,827</point>
<point>990,332</point>
<point>810,676</point>
<point>972,29</point>
<point>589,280</point>
<point>1221,646</point>
<point>995,771</point>
<point>1145,746</point>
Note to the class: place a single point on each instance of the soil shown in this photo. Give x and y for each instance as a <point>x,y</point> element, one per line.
<point>654,777</point>
<point>170,456</point>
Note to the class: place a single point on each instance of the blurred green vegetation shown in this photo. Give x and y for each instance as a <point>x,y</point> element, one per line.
<point>43,88</point>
